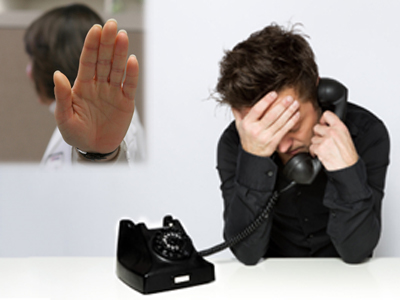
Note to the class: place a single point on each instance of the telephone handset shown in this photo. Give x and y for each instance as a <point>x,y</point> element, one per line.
<point>332,95</point>
<point>163,259</point>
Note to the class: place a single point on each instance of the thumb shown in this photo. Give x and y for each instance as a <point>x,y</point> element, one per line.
<point>63,95</point>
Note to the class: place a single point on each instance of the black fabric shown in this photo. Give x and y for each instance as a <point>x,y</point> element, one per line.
<point>338,215</point>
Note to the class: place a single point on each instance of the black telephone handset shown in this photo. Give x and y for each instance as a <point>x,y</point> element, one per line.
<point>332,95</point>
<point>159,259</point>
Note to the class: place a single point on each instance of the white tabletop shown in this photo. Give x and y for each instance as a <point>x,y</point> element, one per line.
<point>94,278</point>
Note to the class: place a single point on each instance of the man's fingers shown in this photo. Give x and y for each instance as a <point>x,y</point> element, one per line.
<point>62,91</point>
<point>282,115</point>
<point>277,110</point>
<point>88,59</point>
<point>131,78</point>
<point>258,110</point>
<point>320,130</point>
<point>286,127</point>
<point>119,59</point>
<point>329,118</point>
<point>328,121</point>
<point>106,51</point>
<point>316,140</point>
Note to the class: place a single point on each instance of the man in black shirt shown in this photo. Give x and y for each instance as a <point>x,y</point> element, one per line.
<point>270,81</point>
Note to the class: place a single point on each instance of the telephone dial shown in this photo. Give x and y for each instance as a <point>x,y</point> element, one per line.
<point>155,260</point>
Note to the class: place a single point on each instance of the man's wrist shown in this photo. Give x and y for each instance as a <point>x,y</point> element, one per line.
<point>352,182</point>
<point>255,172</point>
<point>103,157</point>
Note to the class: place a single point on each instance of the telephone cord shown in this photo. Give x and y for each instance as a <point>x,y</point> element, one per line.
<point>251,227</point>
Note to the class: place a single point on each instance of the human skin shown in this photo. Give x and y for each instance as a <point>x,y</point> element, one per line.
<point>94,115</point>
<point>281,122</point>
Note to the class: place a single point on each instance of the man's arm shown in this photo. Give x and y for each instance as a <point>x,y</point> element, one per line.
<point>247,182</point>
<point>356,197</point>
<point>356,172</point>
<point>94,115</point>
<point>247,172</point>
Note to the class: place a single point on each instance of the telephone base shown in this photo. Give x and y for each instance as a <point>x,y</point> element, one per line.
<point>167,279</point>
<point>160,259</point>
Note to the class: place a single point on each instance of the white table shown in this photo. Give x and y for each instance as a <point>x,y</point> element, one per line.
<point>94,278</point>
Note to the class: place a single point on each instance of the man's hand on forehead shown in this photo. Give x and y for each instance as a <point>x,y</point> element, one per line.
<point>266,123</point>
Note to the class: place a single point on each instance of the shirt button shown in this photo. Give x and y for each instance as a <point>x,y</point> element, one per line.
<point>305,219</point>
<point>270,173</point>
<point>333,214</point>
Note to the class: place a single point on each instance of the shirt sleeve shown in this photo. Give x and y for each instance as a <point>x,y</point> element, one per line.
<point>354,196</point>
<point>247,183</point>
<point>131,149</point>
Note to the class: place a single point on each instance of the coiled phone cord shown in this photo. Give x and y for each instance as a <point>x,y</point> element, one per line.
<point>251,227</point>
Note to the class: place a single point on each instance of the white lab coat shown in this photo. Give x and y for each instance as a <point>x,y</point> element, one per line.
<point>60,155</point>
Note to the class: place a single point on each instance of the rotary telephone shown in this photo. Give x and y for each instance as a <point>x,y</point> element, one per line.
<point>163,259</point>
<point>160,259</point>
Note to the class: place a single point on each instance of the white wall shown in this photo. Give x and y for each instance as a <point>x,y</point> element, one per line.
<point>354,41</point>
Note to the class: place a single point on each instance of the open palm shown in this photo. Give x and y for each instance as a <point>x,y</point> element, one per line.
<point>94,115</point>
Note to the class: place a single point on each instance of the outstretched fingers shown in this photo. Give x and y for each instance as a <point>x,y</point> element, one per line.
<point>63,95</point>
<point>106,51</point>
<point>88,59</point>
<point>119,59</point>
<point>103,59</point>
<point>131,78</point>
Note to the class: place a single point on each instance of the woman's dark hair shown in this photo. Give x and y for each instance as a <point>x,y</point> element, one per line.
<point>54,42</point>
<point>269,60</point>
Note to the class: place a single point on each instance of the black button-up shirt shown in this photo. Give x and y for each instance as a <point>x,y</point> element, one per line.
<point>300,219</point>
<point>338,215</point>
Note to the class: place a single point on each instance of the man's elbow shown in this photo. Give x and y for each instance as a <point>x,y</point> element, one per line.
<point>355,258</point>
<point>360,248</point>
<point>249,262</point>
<point>246,259</point>
<point>354,261</point>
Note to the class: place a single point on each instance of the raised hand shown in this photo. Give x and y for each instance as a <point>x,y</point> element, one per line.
<point>94,115</point>
<point>265,124</point>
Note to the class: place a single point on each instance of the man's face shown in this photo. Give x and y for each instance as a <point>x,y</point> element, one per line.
<point>298,139</point>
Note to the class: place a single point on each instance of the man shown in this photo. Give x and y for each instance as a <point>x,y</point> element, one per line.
<point>270,81</point>
<point>95,118</point>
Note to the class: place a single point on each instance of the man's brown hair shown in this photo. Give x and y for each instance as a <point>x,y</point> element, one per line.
<point>269,60</point>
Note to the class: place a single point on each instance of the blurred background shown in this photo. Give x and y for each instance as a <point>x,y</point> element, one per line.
<point>179,45</point>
